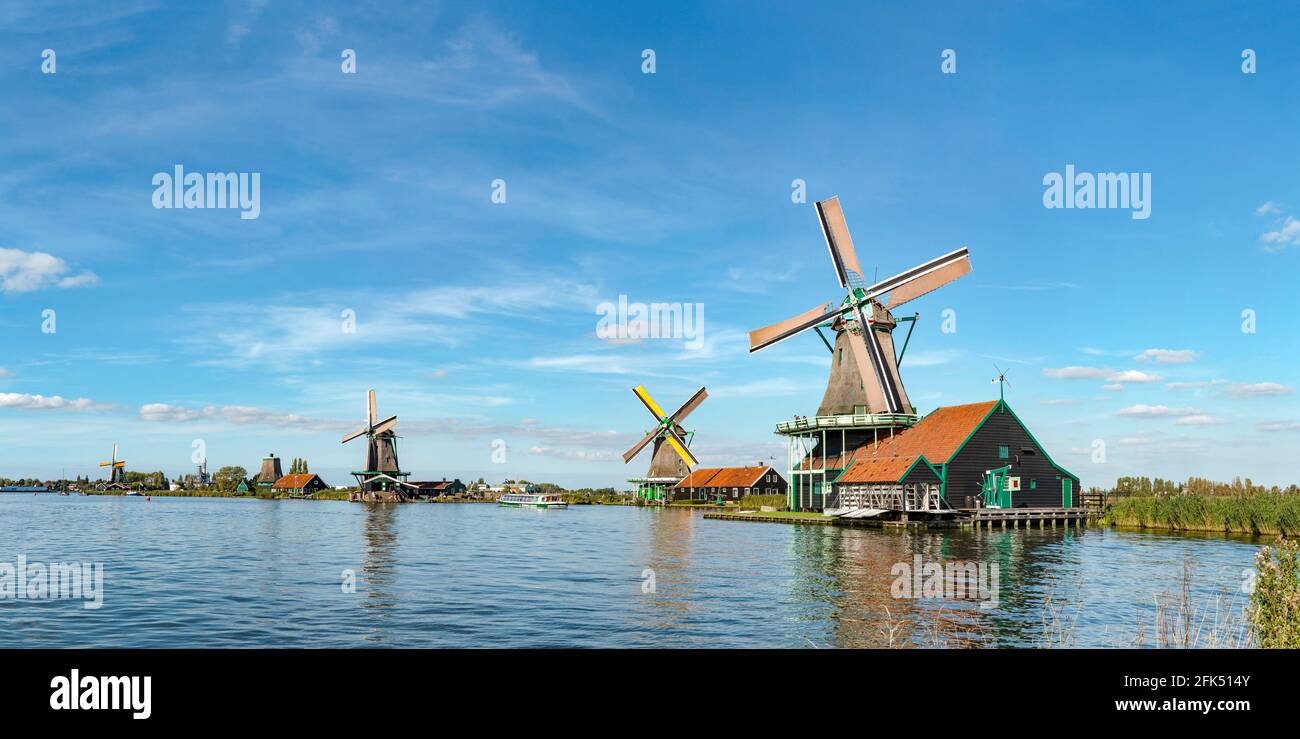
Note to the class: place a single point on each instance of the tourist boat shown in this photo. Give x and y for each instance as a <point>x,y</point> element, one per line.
<point>532,500</point>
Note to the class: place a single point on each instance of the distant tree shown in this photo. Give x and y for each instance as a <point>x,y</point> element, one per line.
<point>228,478</point>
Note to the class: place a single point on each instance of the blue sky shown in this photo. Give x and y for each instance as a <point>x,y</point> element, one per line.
<point>476,321</point>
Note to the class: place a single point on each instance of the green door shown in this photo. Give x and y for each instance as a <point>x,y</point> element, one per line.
<point>1067,492</point>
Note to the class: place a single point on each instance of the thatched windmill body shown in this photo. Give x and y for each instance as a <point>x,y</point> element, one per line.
<point>382,477</point>
<point>865,398</point>
<point>671,460</point>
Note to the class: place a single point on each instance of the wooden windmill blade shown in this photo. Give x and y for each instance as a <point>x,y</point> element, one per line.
<point>840,243</point>
<point>769,335</point>
<point>679,446</point>
<point>359,432</point>
<point>385,425</point>
<point>688,407</point>
<point>923,278</point>
<point>637,447</point>
<point>370,409</point>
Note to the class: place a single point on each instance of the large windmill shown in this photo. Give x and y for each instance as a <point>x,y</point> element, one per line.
<point>381,477</point>
<point>116,468</point>
<point>865,397</point>
<point>672,459</point>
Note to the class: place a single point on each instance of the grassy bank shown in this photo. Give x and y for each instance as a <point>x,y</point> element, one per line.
<point>213,493</point>
<point>1260,513</point>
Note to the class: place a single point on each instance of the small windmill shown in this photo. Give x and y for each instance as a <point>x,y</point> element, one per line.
<point>864,326</point>
<point>381,472</point>
<point>1001,380</point>
<point>116,468</point>
<point>672,459</point>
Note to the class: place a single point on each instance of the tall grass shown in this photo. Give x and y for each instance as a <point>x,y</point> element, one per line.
<point>1261,513</point>
<point>756,502</point>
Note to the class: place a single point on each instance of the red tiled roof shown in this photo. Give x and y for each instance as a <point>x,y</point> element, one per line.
<point>936,437</point>
<point>723,477</point>
<point>876,469</point>
<point>294,481</point>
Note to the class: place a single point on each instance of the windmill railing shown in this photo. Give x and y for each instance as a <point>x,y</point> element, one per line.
<point>847,421</point>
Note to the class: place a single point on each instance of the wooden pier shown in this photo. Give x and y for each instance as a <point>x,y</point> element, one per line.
<point>976,518</point>
<point>1016,518</point>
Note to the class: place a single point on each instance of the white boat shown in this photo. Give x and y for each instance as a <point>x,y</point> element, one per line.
<point>532,500</point>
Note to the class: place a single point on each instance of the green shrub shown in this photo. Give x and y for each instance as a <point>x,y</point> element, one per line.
<point>1275,604</point>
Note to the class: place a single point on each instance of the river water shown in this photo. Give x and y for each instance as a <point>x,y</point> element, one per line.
<point>213,572</point>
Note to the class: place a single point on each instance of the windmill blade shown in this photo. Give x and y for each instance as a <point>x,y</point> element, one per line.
<point>385,425</point>
<point>355,434</point>
<point>921,270</point>
<point>105,464</point>
<point>637,447</point>
<point>930,281</point>
<point>680,446</point>
<point>769,335</point>
<point>370,408</point>
<point>871,365</point>
<point>690,405</point>
<point>649,403</point>
<point>840,243</point>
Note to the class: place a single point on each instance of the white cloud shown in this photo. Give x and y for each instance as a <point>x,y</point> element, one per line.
<point>1167,356</point>
<point>1133,376</point>
<point>580,455</point>
<point>1197,385</point>
<point>5,373</point>
<point>1076,373</point>
<point>1155,411</point>
<point>26,271</point>
<point>1268,209</point>
<point>1287,234</point>
<point>1112,377</point>
<point>1061,401</point>
<point>1257,390</point>
<point>51,402</point>
<point>1200,419</point>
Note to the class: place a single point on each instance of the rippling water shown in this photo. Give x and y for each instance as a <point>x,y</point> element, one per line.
<point>208,572</point>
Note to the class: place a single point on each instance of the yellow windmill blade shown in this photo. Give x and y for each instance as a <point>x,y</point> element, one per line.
<point>685,453</point>
<point>649,403</point>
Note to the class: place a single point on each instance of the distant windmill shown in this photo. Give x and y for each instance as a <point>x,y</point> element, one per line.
<point>117,467</point>
<point>672,459</point>
<point>381,472</point>
<point>869,382</point>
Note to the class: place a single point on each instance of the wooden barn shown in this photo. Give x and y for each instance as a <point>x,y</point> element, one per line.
<point>732,483</point>
<point>981,453</point>
<point>436,488</point>
<point>305,483</point>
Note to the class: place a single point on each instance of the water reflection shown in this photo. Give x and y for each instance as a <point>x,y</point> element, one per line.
<point>378,568</point>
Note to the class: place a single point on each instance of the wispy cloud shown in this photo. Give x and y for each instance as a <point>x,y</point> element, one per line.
<point>26,271</point>
<point>27,402</point>
<point>1155,411</point>
<point>1257,390</point>
<point>1167,356</point>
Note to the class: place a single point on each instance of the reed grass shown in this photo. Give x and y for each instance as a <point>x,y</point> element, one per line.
<point>1260,513</point>
<point>758,501</point>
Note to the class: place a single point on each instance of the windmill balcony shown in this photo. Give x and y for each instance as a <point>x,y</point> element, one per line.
<point>853,421</point>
